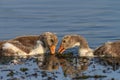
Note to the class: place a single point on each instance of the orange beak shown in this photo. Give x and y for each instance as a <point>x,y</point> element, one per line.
<point>61,49</point>
<point>52,49</point>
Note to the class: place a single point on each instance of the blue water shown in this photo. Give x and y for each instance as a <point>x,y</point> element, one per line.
<point>97,20</point>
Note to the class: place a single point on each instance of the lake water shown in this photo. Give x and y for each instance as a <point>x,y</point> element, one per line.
<point>97,20</point>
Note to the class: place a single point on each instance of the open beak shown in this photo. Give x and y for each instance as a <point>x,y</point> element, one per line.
<point>61,49</point>
<point>52,49</point>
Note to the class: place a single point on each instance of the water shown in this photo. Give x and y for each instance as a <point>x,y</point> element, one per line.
<point>97,21</point>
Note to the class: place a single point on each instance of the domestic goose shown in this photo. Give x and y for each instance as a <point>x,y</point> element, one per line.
<point>108,49</point>
<point>30,45</point>
<point>70,41</point>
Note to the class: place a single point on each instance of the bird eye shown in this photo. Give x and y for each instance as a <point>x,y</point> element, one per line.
<point>64,41</point>
<point>52,40</point>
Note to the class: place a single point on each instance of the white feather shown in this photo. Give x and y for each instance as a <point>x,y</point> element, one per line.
<point>86,52</point>
<point>76,44</point>
<point>14,48</point>
<point>39,49</point>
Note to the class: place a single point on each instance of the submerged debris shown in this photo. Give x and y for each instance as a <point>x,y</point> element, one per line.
<point>11,74</point>
<point>23,69</point>
<point>89,77</point>
<point>48,67</point>
<point>114,62</point>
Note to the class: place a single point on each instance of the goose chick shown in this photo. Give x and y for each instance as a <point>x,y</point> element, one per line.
<point>70,41</point>
<point>30,45</point>
<point>109,49</point>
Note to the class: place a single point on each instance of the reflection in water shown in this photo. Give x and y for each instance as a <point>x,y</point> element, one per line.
<point>75,67</point>
<point>49,63</point>
<point>20,59</point>
<point>114,62</point>
<point>6,59</point>
<point>72,66</point>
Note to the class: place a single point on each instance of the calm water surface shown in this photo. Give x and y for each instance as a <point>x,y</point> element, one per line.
<point>98,21</point>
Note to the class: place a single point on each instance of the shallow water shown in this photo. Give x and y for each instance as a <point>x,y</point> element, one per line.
<point>97,21</point>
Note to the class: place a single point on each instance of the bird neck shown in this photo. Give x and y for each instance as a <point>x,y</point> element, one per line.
<point>85,52</point>
<point>84,49</point>
<point>39,48</point>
